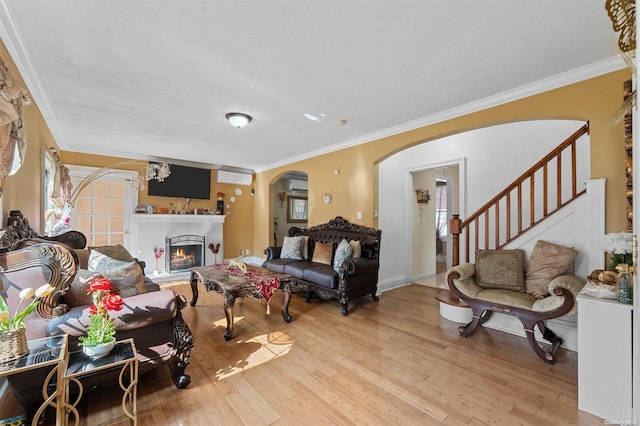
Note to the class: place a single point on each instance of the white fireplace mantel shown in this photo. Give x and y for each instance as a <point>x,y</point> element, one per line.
<point>150,230</point>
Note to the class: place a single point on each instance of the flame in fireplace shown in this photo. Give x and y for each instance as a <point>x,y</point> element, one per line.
<point>180,259</point>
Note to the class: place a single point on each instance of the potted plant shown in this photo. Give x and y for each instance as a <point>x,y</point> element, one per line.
<point>13,329</point>
<point>100,333</point>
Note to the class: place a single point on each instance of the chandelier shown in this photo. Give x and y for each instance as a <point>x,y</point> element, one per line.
<point>153,171</point>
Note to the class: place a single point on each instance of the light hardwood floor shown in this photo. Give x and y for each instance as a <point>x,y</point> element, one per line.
<point>395,361</point>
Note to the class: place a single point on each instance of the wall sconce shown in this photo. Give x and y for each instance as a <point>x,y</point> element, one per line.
<point>423,196</point>
<point>282,198</point>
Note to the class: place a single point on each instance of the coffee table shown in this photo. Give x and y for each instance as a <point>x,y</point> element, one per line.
<point>232,284</point>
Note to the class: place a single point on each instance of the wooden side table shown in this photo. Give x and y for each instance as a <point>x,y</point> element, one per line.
<point>122,356</point>
<point>48,351</point>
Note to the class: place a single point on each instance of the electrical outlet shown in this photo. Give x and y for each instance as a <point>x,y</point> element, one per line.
<point>358,215</point>
<point>246,252</point>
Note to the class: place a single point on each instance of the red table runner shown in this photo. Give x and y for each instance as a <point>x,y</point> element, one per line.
<point>266,284</point>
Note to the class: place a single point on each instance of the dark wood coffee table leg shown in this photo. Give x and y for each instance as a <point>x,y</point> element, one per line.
<point>194,289</point>
<point>229,301</point>
<point>285,303</point>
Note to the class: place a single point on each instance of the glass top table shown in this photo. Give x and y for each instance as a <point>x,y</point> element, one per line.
<point>47,351</point>
<point>42,352</point>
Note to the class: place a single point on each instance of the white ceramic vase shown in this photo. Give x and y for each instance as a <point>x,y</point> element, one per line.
<point>98,351</point>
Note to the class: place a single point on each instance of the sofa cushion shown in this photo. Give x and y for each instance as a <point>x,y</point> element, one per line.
<point>322,253</point>
<point>343,252</point>
<point>296,268</point>
<point>77,293</point>
<point>292,248</point>
<point>547,261</point>
<point>322,275</point>
<point>278,265</point>
<point>500,269</point>
<point>126,277</point>
<point>138,312</point>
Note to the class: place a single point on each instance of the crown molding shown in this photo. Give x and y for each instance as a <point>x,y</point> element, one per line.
<point>12,40</point>
<point>564,79</point>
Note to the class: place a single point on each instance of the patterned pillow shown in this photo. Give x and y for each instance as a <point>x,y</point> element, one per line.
<point>322,253</point>
<point>547,261</point>
<point>116,251</point>
<point>343,252</point>
<point>500,269</point>
<point>126,277</point>
<point>292,248</point>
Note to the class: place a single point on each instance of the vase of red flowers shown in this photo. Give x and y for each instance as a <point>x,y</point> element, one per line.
<point>100,338</point>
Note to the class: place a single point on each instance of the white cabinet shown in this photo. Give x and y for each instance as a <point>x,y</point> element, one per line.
<point>605,341</point>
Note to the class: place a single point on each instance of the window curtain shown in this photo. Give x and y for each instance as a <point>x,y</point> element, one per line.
<point>59,192</point>
<point>13,144</point>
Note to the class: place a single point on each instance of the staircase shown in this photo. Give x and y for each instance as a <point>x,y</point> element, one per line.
<point>540,192</point>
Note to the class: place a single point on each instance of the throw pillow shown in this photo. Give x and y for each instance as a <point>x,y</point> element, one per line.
<point>343,252</point>
<point>292,248</point>
<point>356,247</point>
<point>77,295</point>
<point>305,248</point>
<point>126,277</point>
<point>116,251</point>
<point>500,269</point>
<point>547,261</point>
<point>322,253</point>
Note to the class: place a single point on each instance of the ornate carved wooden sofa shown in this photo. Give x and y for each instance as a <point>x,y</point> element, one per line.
<point>318,264</point>
<point>152,318</point>
<point>18,230</point>
<point>498,282</point>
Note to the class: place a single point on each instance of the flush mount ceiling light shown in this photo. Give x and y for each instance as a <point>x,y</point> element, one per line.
<point>238,119</point>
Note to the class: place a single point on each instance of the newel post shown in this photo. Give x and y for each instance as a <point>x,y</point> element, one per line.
<point>454,228</point>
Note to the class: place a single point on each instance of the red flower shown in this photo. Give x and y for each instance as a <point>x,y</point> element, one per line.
<point>99,284</point>
<point>93,309</point>
<point>113,302</point>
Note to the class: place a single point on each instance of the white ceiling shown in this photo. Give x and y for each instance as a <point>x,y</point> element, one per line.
<point>154,79</point>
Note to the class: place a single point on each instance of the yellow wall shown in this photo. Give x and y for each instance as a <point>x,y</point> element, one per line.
<point>238,226</point>
<point>595,100</point>
<point>23,190</point>
<point>355,188</point>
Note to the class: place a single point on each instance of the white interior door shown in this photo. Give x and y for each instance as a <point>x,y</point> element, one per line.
<point>103,209</point>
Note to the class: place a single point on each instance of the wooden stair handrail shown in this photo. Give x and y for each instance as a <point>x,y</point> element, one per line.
<point>458,226</point>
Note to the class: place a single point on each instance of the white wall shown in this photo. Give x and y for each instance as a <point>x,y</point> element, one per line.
<point>489,158</point>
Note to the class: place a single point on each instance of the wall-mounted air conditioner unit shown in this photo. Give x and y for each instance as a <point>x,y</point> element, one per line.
<point>297,185</point>
<point>234,177</point>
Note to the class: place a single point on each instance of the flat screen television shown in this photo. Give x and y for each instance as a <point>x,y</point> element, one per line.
<point>183,182</point>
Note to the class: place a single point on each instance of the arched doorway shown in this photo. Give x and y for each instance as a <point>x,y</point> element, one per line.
<point>289,204</point>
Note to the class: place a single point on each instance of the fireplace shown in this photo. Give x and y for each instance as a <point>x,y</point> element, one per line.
<point>184,252</point>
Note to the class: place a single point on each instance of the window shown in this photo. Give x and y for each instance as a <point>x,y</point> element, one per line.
<point>103,208</point>
<point>442,226</point>
<point>296,209</point>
